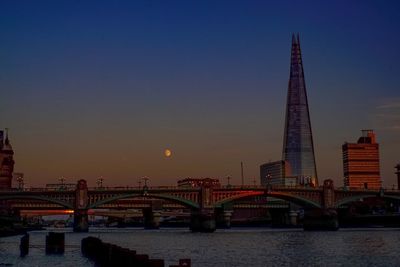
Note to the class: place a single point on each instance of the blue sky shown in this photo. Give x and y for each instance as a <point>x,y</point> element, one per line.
<point>101,88</point>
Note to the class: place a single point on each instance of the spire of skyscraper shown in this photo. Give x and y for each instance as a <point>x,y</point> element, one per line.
<point>7,145</point>
<point>298,148</point>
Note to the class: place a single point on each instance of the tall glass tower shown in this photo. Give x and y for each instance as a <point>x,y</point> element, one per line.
<point>298,148</point>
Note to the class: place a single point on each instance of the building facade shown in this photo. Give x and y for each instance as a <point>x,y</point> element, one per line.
<point>298,147</point>
<point>361,166</point>
<point>6,162</point>
<point>276,173</point>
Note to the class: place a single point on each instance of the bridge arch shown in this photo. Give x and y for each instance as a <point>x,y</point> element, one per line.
<point>178,200</point>
<point>280,195</point>
<point>356,198</point>
<point>42,198</point>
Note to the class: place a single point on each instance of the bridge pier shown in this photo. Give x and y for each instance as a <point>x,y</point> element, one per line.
<point>152,215</point>
<point>325,218</point>
<point>227,218</point>
<point>151,218</point>
<point>81,221</point>
<point>223,218</point>
<point>80,212</point>
<point>202,220</point>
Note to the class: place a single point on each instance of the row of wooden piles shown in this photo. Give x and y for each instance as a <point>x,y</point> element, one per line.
<point>107,255</point>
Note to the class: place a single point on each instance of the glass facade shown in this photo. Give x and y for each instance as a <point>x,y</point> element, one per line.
<point>298,148</point>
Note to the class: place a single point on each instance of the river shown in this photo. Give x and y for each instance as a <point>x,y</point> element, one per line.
<point>239,247</point>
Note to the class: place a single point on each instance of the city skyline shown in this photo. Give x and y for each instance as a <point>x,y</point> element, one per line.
<point>87,97</point>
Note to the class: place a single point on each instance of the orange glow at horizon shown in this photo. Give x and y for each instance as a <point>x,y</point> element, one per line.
<point>45,212</point>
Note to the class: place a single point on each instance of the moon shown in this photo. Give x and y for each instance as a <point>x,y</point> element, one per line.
<point>168,153</point>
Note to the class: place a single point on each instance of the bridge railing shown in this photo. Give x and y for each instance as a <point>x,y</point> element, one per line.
<point>124,188</point>
<point>237,187</point>
<point>362,189</point>
<point>260,187</point>
<point>264,187</point>
<point>37,189</point>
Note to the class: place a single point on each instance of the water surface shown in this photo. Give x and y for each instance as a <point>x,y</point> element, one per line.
<point>241,247</point>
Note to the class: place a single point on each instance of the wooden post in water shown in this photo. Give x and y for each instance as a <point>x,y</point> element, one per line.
<point>24,245</point>
<point>55,243</point>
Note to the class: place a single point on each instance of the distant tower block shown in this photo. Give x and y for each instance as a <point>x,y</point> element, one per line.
<point>398,175</point>
<point>6,162</point>
<point>298,147</point>
<point>361,162</point>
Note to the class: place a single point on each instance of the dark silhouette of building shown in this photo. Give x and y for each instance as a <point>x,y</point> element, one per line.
<point>361,162</point>
<point>298,147</point>
<point>398,175</point>
<point>6,162</point>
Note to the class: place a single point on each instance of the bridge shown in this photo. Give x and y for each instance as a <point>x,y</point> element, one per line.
<point>206,203</point>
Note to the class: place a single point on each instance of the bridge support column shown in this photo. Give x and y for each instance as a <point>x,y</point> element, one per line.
<point>227,218</point>
<point>202,220</point>
<point>325,218</point>
<point>81,221</point>
<point>80,212</point>
<point>152,215</point>
<point>151,218</point>
<point>223,218</point>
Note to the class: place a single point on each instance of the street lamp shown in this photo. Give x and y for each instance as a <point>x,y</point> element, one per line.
<point>145,179</point>
<point>62,181</point>
<point>20,181</point>
<point>229,179</point>
<point>140,183</point>
<point>99,182</point>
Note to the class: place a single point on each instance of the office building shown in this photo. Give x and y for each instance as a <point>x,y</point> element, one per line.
<point>277,173</point>
<point>361,162</point>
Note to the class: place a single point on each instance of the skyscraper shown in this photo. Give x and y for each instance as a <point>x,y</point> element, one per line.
<point>298,148</point>
<point>361,162</point>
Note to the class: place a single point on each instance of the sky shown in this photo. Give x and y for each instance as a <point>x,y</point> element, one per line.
<point>102,88</point>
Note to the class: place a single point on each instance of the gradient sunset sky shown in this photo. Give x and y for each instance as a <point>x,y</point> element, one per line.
<point>102,88</point>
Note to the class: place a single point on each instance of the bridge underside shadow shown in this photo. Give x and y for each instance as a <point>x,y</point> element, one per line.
<point>181,201</point>
<point>300,201</point>
<point>62,204</point>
